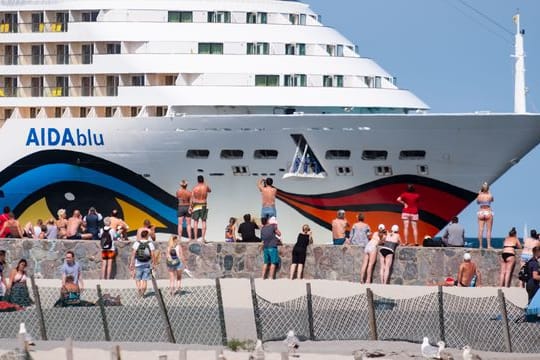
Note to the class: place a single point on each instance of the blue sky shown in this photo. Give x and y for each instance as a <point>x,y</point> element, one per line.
<point>456,61</point>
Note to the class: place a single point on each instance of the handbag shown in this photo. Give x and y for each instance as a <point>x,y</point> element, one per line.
<point>173,262</point>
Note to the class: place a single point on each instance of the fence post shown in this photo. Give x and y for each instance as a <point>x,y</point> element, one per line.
<point>161,303</point>
<point>371,316</point>
<point>221,313</point>
<point>256,314</point>
<point>506,327</point>
<point>440,296</point>
<point>310,312</point>
<point>39,309</point>
<point>103,313</point>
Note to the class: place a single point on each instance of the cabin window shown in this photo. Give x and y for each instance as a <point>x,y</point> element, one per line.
<point>10,86</point>
<point>374,155</point>
<point>258,48</point>
<point>87,86</point>
<point>211,48</point>
<point>266,80</point>
<point>38,24</point>
<point>219,16</point>
<point>112,85</point>
<point>36,86</point>
<point>327,81</point>
<point>256,18</point>
<point>108,112</point>
<point>62,86</point>
<point>338,155</point>
<point>114,48</point>
<point>339,50</point>
<point>338,80</point>
<point>344,171</point>
<point>38,55</point>
<point>89,16</point>
<point>232,154</point>
<point>62,54</point>
<point>11,55</point>
<point>198,154</point>
<point>383,170</point>
<point>295,80</point>
<point>422,170</point>
<point>83,112</point>
<point>181,16</point>
<point>265,154</point>
<point>412,155</point>
<point>240,170</point>
<point>137,80</point>
<point>87,52</point>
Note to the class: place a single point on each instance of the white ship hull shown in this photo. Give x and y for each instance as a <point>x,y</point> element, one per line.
<point>135,165</point>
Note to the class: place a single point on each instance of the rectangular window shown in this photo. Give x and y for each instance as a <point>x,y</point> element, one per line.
<point>11,22</point>
<point>33,112</point>
<point>344,171</point>
<point>112,85</point>
<point>330,49</point>
<point>161,111</point>
<point>339,50</point>
<point>251,18</point>
<point>290,49</point>
<point>62,19</point>
<point>258,48</point>
<point>240,170</point>
<point>87,86</point>
<point>87,53</point>
<point>293,19</point>
<point>62,54</point>
<point>383,170</point>
<point>114,48</point>
<point>301,49</point>
<point>83,111</point>
<point>295,80</point>
<point>327,81</point>
<point>338,154</point>
<point>37,22</point>
<point>36,86</point>
<point>303,18</point>
<point>256,18</point>
<point>374,155</point>
<point>62,86</point>
<point>265,154</point>
<point>58,112</point>
<point>134,111</point>
<point>412,155</point>
<point>338,80</point>
<point>11,55</point>
<point>10,86</point>
<point>181,16</point>
<point>266,80</point>
<point>137,80</point>
<point>378,82</point>
<point>211,48</point>
<point>108,112</point>
<point>38,56</point>
<point>170,80</point>
<point>198,154</point>
<point>231,154</point>
<point>219,16</point>
<point>89,16</point>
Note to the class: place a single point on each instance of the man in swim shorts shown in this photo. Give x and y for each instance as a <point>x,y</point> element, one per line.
<point>199,206</point>
<point>268,192</point>
<point>340,227</point>
<point>74,228</point>
<point>184,214</point>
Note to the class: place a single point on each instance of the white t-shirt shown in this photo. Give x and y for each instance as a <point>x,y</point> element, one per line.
<point>136,246</point>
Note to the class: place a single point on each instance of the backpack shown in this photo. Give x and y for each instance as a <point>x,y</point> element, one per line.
<point>524,273</point>
<point>106,240</point>
<point>143,252</point>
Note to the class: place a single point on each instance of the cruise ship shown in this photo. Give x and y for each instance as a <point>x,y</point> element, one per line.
<point>111,103</point>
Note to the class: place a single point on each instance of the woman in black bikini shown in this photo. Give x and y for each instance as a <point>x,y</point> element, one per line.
<point>508,258</point>
<point>387,251</point>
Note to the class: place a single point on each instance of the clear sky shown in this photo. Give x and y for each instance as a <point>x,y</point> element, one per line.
<point>455,60</point>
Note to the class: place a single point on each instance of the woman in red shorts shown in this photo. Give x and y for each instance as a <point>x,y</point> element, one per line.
<point>409,200</point>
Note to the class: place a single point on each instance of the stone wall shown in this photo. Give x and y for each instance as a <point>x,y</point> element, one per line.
<point>412,266</point>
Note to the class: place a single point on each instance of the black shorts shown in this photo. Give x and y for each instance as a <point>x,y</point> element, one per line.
<point>183,210</point>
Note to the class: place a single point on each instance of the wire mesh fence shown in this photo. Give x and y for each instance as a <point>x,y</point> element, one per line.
<point>458,320</point>
<point>122,315</point>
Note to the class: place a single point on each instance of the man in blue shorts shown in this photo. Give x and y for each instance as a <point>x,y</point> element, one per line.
<point>268,194</point>
<point>269,237</point>
<point>142,261</point>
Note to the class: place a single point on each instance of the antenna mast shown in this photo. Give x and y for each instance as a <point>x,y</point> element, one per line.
<point>520,103</point>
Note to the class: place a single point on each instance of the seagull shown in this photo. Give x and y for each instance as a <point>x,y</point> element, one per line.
<point>428,351</point>
<point>469,355</point>
<point>258,353</point>
<point>26,336</point>
<point>444,354</point>
<point>291,341</point>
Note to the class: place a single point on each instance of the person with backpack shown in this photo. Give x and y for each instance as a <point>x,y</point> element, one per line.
<point>142,261</point>
<point>108,250</point>
<point>533,274</point>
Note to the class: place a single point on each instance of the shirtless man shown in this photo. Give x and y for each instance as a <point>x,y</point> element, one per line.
<point>147,226</point>
<point>12,227</point>
<point>340,227</point>
<point>74,227</point>
<point>268,193</point>
<point>184,198</point>
<point>467,270</point>
<point>198,206</point>
<point>118,225</point>
<point>62,223</point>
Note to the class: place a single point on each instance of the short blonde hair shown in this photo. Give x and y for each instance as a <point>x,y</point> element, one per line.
<point>61,212</point>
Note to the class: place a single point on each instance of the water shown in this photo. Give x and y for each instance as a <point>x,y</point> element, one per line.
<point>496,243</point>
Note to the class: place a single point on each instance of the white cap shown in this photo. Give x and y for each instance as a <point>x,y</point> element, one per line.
<point>290,333</point>
<point>395,228</point>
<point>272,220</point>
<point>467,256</point>
<point>382,227</point>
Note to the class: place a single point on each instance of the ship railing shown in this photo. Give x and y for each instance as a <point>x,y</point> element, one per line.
<point>303,166</point>
<point>49,59</point>
<point>35,27</point>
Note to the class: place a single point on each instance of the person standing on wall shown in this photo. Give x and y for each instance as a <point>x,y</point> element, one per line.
<point>268,193</point>
<point>485,214</point>
<point>409,199</point>
<point>199,206</point>
<point>184,214</point>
